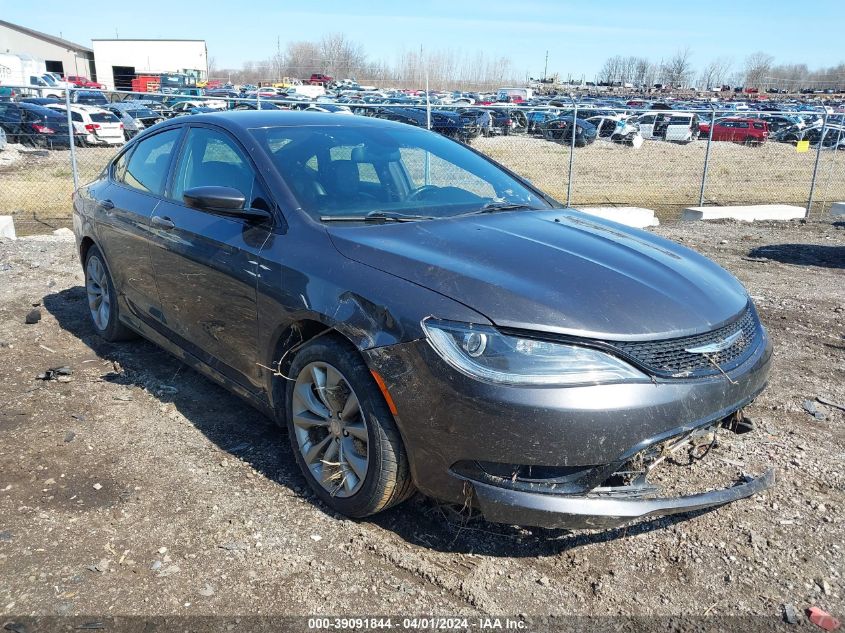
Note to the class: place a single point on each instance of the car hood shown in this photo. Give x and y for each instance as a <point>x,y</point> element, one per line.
<point>557,271</point>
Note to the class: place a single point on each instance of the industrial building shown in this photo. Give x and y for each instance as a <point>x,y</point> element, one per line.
<point>121,60</point>
<point>61,56</point>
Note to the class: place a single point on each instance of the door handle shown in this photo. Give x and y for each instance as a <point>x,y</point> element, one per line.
<point>163,223</point>
<point>107,205</point>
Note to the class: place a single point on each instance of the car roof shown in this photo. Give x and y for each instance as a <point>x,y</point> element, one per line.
<point>80,107</point>
<point>242,120</point>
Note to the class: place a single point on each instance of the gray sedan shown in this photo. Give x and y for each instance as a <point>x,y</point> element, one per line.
<point>419,317</point>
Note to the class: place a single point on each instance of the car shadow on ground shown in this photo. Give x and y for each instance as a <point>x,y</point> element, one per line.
<point>236,428</point>
<point>802,254</point>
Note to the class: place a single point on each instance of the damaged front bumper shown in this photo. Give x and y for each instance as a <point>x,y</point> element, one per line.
<point>502,505</point>
<point>625,493</point>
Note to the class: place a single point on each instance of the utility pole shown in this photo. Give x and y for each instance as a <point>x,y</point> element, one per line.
<point>546,68</point>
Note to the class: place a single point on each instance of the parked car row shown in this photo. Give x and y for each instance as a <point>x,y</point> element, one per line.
<point>463,116</point>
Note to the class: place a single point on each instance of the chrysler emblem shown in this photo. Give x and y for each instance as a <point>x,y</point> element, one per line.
<point>718,346</point>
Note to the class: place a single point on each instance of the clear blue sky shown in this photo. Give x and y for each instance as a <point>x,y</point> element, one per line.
<point>578,35</point>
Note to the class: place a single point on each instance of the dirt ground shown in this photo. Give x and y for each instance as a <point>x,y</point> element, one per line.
<point>135,486</point>
<point>36,185</point>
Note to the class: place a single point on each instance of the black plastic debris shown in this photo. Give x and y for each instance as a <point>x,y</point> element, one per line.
<point>61,374</point>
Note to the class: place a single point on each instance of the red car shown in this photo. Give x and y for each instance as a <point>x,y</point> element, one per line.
<point>84,82</point>
<point>319,78</point>
<point>737,130</point>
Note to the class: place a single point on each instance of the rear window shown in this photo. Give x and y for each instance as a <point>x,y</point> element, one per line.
<point>103,117</point>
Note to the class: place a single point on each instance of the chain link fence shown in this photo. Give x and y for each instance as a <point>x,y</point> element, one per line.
<point>660,160</point>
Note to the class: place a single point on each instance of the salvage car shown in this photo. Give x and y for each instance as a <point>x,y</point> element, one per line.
<point>134,115</point>
<point>34,125</point>
<point>419,317</point>
<point>560,130</point>
<point>92,125</point>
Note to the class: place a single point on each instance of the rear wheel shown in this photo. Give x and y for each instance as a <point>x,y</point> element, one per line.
<point>342,433</point>
<point>102,298</point>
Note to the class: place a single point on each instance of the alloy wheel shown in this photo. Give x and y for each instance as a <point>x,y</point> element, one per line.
<point>331,429</point>
<point>97,286</point>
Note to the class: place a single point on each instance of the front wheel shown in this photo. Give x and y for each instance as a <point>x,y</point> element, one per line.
<point>342,432</point>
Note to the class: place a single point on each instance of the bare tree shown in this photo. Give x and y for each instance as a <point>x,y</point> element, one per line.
<point>641,73</point>
<point>678,70</point>
<point>757,68</point>
<point>714,74</point>
<point>611,71</point>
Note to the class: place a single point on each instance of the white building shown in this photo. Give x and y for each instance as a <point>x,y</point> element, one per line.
<point>61,56</point>
<point>119,61</point>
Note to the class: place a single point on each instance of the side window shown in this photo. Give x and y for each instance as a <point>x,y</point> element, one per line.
<point>75,116</point>
<point>210,157</point>
<point>146,169</point>
<point>742,124</point>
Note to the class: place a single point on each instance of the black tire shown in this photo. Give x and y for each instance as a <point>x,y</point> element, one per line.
<point>110,328</point>
<point>388,479</point>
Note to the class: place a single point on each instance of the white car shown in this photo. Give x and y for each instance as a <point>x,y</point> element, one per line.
<point>61,83</point>
<point>329,107</point>
<point>682,127</point>
<point>617,128</point>
<point>185,107</point>
<point>651,124</point>
<point>92,125</point>
<point>669,125</point>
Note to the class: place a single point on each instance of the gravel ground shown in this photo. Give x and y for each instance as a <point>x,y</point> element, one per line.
<point>135,486</point>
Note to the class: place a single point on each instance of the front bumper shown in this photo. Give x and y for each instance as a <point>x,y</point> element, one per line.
<point>502,505</point>
<point>448,420</point>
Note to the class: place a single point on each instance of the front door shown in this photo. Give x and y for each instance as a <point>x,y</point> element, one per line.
<point>206,263</point>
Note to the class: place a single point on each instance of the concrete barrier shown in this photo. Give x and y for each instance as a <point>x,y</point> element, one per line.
<point>7,227</point>
<point>636,217</point>
<point>746,213</point>
<point>838,208</point>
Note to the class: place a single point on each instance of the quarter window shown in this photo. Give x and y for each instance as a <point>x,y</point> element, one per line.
<point>146,169</point>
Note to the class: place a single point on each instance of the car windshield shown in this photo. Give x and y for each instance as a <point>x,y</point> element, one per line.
<point>351,171</point>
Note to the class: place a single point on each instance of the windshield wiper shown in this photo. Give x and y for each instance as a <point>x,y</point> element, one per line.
<point>493,207</point>
<point>376,216</point>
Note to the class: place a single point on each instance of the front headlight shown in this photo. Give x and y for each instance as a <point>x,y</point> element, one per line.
<point>484,353</point>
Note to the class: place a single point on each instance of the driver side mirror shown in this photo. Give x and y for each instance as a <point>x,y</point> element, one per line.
<point>223,200</point>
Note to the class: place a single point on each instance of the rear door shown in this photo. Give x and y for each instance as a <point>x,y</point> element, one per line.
<point>679,128</point>
<point>124,206</point>
<point>206,263</point>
